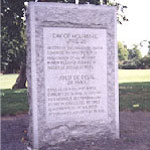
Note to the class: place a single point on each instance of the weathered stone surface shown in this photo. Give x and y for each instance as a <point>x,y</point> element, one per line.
<point>71,72</point>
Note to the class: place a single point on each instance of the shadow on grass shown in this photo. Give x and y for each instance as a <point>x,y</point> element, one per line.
<point>134,96</point>
<point>13,101</point>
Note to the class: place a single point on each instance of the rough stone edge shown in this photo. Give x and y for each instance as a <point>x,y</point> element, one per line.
<point>111,58</point>
<point>31,79</point>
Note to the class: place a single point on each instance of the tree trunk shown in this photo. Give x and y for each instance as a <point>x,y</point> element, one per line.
<point>21,80</point>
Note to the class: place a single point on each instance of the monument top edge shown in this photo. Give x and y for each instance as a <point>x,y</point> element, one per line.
<point>71,5</point>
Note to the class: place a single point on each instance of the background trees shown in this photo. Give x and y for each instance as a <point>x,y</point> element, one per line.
<point>13,48</point>
<point>149,47</point>
<point>132,58</point>
<point>122,52</point>
<point>13,31</point>
<point>13,36</point>
<point>13,58</point>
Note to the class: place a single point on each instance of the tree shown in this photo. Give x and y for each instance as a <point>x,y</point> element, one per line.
<point>134,53</point>
<point>145,62</point>
<point>148,48</point>
<point>129,58</point>
<point>13,34</point>
<point>122,52</point>
<point>21,80</point>
<point>13,56</point>
<point>134,58</point>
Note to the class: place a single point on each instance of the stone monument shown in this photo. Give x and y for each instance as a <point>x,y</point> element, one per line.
<point>72,72</point>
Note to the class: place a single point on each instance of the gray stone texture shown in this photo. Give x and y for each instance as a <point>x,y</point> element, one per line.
<point>40,15</point>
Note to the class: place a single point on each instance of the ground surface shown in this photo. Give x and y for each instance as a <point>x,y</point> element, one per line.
<point>134,128</point>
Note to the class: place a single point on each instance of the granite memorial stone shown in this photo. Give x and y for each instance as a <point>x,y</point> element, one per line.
<point>72,72</point>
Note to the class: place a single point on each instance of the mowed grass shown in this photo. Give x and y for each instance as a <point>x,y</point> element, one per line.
<point>134,93</point>
<point>13,102</point>
<point>7,81</point>
<point>134,90</point>
<point>126,76</point>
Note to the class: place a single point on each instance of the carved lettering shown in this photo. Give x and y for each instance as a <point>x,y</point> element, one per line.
<point>75,64</point>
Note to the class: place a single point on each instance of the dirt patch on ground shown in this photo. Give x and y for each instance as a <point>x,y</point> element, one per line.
<point>134,135</point>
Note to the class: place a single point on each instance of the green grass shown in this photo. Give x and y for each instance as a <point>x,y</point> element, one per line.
<point>134,96</point>
<point>134,90</point>
<point>12,101</point>
<point>7,81</point>
<point>134,93</point>
<point>126,76</point>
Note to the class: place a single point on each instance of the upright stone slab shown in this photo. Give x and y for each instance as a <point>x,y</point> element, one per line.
<point>72,72</point>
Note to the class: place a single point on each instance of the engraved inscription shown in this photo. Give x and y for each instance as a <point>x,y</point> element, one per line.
<point>75,74</point>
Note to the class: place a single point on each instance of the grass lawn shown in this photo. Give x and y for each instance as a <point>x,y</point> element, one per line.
<point>7,81</point>
<point>134,90</point>
<point>134,93</point>
<point>12,101</point>
<point>134,96</point>
<point>126,76</point>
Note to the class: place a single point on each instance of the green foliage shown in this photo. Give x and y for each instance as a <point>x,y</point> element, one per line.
<point>148,48</point>
<point>145,62</point>
<point>130,59</point>
<point>13,48</point>
<point>129,64</point>
<point>134,53</point>
<point>13,35</point>
<point>122,52</point>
